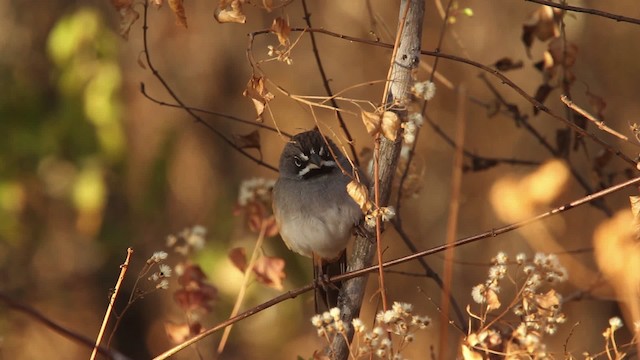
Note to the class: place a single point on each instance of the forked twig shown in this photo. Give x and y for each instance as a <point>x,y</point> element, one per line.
<point>599,123</point>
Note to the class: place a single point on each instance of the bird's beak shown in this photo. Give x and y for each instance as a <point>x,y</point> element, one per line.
<point>315,161</point>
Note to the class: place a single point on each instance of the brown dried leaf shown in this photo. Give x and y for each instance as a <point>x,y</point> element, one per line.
<point>268,5</point>
<point>230,11</point>
<point>563,53</point>
<point>390,125</point>
<point>258,93</point>
<point>238,257</point>
<point>635,207</point>
<point>271,227</point>
<point>248,141</point>
<point>178,8</point>
<point>371,122</point>
<point>128,16</point>
<point>506,64</point>
<point>541,95</point>
<point>549,301</point>
<point>493,303</point>
<point>270,271</point>
<point>196,293</point>
<point>469,354</point>
<point>281,28</point>
<point>541,24</point>
<point>360,194</point>
<point>179,333</point>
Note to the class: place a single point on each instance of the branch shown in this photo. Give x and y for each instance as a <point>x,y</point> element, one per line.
<point>604,14</point>
<point>407,58</point>
<point>189,111</point>
<point>35,314</point>
<point>327,87</point>
<point>417,255</point>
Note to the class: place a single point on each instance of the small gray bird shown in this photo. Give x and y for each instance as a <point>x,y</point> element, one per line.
<point>313,211</point>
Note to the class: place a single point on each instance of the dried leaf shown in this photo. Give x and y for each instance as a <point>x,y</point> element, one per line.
<point>493,303</point>
<point>563,53</point>
<point>549,301</point>
<point>179,333</point>
<point>258,93</point>
<point>230,11</point>
<point>268,5</point>
<point>270,271</point>
<point>238,257</point>
<point>271,227</point>
<point>371,122</point>
<point>196,293</point>
<point>541,24</point>
<point>128,16</point>
<point>506,64</point>
<point>248,141</point>
<point>469,354</point>
<point>390,125</point>
<point>178,8</point>
<point>360,194</point>
<point>281,28</point>
<point>541,95</point>
<point>635,206</point>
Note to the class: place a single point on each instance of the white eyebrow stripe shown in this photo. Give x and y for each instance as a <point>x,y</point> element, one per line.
<point>313,151</point>
<point>321,151</point>
<point>308,168</point>
<point>303,157</point>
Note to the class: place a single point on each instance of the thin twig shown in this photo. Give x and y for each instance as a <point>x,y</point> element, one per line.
<point>327,86</point>
<point>452,219</point>
<point>197,119</point>
<point>39,317</point>
<point>214,113</point>
<point>107,315</point>
<point>523,121</point>
<point>245,280</point>
<point>601,125</point>
<point>618,18</point>
<point>366,270</point>
<point>496,73</point>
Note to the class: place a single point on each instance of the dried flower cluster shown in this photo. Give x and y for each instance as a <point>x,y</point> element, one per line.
<point>538,311</point>
<point>377,343</point>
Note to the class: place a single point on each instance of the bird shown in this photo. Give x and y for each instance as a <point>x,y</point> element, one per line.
<point>313,211</point>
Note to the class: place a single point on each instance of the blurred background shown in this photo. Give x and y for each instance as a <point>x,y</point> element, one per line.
<point>89,166</point>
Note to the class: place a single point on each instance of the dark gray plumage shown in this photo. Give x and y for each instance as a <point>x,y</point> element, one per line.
<point>314,213</point>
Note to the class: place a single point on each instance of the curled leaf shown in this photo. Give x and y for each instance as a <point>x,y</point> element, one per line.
<point>390,125</point>
<point>128,15</point>
<point>270,271</point>
<point>371,122</point>
<point>281,28</point>
<point>230,11</point>
<point>258,93</point>
<point>360,194</point>
<point>178,8</point>
<point>248,141</point>
<point>238,257</point>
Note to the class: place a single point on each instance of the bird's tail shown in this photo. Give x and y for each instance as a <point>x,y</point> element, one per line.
<point>326,294</point>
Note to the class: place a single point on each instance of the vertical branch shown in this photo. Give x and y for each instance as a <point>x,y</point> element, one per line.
<point>452,222</point>
<point>123,271</point>
<point>406,58</point>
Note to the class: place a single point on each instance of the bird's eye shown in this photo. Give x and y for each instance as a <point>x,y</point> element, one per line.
<point>297,161</point>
